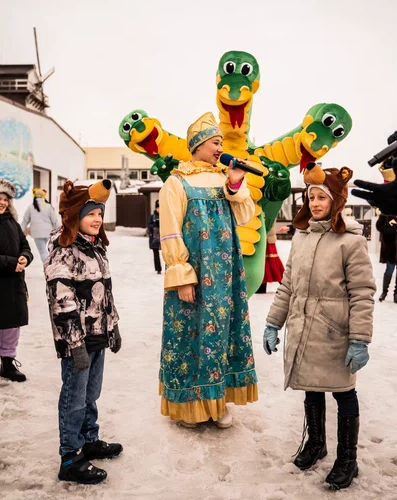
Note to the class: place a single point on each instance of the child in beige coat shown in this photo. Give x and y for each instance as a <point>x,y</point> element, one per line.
<point>326,300</point>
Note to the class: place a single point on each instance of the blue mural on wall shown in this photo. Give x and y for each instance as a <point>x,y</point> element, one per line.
<point>16,155</point>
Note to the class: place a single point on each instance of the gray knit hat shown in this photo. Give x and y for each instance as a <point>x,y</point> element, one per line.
<point>89,206</point>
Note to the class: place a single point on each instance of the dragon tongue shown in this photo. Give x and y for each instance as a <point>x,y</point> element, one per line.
<point>305,159</point>
<point>236,114</point>
<point>149,143</point>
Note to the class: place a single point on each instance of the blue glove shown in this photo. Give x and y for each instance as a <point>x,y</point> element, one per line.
<point>357,354</point>
<point>270,338</point>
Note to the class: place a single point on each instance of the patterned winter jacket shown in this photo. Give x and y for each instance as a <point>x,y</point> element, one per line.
<point>79,292</point>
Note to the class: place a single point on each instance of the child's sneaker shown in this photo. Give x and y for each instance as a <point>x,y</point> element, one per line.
<point>76,468</point>
<point>100,449</point>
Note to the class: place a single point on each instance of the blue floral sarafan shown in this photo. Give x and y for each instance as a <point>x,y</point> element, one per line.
<point>207,347</point>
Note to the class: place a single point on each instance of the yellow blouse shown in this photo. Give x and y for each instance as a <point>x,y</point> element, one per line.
<point>173,205</point>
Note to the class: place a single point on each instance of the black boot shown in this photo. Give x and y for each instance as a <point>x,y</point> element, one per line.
<point>76,468</point>
<point>345,468</point>
<point>99,449</point>
<point>9,370</point>
<point>315,447</point>
<point>386,284</point>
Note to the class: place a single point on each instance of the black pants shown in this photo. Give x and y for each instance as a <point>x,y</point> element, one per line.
<point>157,263</point>
<point>347,401</point>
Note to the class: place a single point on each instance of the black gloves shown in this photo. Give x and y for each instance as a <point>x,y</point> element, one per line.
<point>80,358</point>
<point>383,196</point>
<point>116,340</point>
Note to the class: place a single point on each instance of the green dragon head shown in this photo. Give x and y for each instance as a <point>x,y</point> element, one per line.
<point>237,81</point>
<point>141,133</point>
<point>324,127</point>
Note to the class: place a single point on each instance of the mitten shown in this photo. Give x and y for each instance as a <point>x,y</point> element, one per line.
<point>270,338</point>
<point>357,354</point>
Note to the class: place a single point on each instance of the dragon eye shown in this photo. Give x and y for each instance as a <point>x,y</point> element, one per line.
<point>136,116</point>
<point>126,127</point>
<point>229,67</point>
<point>246,69</point>
<point>339,131</point>
<point>328,119</point>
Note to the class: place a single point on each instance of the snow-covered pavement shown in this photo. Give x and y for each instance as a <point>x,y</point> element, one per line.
<point>250,461</point>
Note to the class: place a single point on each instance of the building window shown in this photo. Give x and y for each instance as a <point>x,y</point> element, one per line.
<point>134,175</point>
<point>96,174</point>
<point>60,182</point>
<point>113,174</point>
<point>144,175</point>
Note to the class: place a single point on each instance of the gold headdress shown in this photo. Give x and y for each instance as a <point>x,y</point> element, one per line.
<point>201,130</point>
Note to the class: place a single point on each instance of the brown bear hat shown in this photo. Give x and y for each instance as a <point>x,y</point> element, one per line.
<point>333,180</point>
<point>72,200</point>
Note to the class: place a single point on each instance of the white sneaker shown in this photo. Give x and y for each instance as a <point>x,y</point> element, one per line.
<point>226,421</point>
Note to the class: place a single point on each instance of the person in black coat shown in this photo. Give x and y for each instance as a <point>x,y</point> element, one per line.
<point>387,226</point>
<point>15,256</point>
<point>154,236</point>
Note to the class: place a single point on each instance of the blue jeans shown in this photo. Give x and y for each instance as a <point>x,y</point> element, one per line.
<point>77,409</point>
<point>390,268</point>
<point>41,244</point>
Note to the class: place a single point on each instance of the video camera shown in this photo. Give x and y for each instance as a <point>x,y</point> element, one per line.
<point>390,150</point>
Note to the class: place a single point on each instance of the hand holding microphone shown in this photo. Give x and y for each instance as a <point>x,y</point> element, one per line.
<point>225,159</point>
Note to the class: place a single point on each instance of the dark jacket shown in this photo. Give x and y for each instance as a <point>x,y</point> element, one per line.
<point>13,289</point>
<point>79,292</point>
<point>154,231</point>
<point>388,238</point>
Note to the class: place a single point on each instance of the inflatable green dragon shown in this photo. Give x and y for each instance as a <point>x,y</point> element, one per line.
<point>238,77</point>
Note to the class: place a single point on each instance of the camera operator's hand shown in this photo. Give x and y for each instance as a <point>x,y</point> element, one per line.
<point>383,196</point>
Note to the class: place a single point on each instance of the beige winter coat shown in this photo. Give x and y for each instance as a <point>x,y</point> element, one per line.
<point>326,298</point>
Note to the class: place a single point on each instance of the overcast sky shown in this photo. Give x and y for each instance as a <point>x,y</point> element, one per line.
<point>111,57</point>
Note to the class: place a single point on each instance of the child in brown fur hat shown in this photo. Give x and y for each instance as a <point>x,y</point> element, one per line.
<point>85,322</point>
<point>326,297</point>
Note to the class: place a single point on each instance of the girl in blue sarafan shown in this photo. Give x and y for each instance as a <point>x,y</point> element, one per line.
<point>206,358</point>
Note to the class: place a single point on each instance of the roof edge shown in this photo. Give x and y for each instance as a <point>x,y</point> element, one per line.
<point>18,105</point>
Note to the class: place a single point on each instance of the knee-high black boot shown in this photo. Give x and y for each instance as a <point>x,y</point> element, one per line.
<point>315,447</point>
<point>386,284</point>
<point>345,468</point>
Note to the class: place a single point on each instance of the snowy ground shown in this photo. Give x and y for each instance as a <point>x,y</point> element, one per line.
<point>161,460</point>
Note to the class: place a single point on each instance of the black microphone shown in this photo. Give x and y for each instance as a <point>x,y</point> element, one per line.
<point>225,159</point>
<point>382,155</point>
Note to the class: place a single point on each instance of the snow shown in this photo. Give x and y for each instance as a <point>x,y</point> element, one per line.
<point>161,460</point>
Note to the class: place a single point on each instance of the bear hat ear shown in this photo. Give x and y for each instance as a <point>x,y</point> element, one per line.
<point>346,174</point>
<point>68,186</point>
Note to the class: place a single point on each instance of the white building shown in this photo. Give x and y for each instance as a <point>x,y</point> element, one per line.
<point>36,152</point>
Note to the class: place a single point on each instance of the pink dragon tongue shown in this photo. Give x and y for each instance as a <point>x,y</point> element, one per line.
<point>149,143</point>
<point>305,159</point>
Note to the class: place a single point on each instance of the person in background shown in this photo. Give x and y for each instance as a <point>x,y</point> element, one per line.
<point>274,268</point>
<point>41,217</point>
<point>15,256</point>
<point>154,236</point>
<point>387,226</point>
